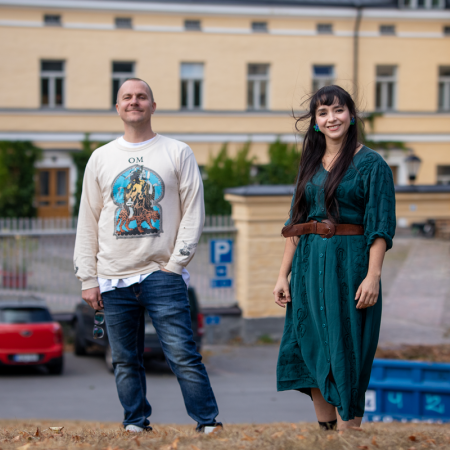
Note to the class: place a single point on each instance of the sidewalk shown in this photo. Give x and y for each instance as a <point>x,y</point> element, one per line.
<point>416,292</point>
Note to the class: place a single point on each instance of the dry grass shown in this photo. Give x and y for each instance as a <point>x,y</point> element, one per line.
<point>23,435</point>
<point>430,353</point>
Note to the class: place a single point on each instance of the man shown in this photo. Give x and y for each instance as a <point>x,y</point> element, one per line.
<point>141,208</point>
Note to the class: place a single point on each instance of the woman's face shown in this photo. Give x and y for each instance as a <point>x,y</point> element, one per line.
<point>333,120</point>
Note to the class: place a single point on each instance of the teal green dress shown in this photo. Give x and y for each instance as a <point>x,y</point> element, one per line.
<point>324,332</point>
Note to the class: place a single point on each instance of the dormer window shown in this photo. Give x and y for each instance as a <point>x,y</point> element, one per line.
<point>422,4</point>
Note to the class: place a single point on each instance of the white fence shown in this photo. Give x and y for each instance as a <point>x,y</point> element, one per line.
<point>36,257</point>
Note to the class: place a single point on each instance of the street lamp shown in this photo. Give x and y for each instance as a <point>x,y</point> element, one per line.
<point>413,164</point>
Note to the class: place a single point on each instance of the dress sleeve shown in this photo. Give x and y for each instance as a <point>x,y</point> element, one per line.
<point>379,216</point>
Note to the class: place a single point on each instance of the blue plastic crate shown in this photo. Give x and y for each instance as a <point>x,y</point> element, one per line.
<point>408,391</point>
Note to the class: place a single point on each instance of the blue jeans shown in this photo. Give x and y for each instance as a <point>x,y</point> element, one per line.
<point>164,295</point>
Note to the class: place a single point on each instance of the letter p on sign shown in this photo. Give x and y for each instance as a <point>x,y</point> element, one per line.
<point>221,251</point>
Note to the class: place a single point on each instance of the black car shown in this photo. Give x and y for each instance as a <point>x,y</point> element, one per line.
<point>83,324</point>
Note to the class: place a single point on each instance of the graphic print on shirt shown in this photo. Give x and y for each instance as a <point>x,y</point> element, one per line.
<point>137,192</point>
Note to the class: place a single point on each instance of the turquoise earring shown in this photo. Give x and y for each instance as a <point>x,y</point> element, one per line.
<point>316,128</point>
<point>352,121</point>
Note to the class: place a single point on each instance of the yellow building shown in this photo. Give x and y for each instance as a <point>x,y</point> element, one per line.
<point>222,71</point>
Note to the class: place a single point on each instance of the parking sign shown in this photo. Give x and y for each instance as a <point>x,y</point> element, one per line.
<point>221,251</point>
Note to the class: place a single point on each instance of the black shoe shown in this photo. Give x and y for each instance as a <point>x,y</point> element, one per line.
<point>213,428</point>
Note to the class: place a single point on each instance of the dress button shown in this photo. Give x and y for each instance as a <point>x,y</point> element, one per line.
<point>321,308</point>
<point>328,359</point>
<point>324,239</point>
<point>321,255</point>
<point>326,343</point>
<point>320,290</point>
<point>323,325</point>
<point>320,272</point>
<point>323,209</point>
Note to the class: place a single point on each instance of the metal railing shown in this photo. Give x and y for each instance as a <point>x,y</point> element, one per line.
<point>36,257</point>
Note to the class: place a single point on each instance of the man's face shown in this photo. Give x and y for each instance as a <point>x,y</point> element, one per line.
<point>134,103</point>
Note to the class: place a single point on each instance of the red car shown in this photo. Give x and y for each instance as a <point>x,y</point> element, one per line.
<point>29,335</point>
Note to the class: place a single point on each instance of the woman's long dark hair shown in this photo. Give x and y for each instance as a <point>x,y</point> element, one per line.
<point>314,146</point>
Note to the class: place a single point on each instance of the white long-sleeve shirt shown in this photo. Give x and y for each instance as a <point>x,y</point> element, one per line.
<point>141,210</point>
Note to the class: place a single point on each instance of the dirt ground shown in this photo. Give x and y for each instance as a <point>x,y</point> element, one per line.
<point>29,435</point>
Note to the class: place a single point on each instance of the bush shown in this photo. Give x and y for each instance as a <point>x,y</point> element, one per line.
<point>283,164</point>
<point>17,178</point>
<point>224,172</point>
<point>80,160</point>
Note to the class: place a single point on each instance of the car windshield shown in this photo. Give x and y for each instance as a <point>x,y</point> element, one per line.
<point>25,315</point>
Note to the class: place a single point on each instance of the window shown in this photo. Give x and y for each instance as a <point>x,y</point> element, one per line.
<point>385,87</point>
<point>52,84</point>
<point>387,29</point>
<point>324,28</point>
<point>443,175</point>
<point>422,4</point>
<point>322,76</point>
<point>257,86</point>
<point>447,30</point>
<point>24,315</point>
<point>444,88</point>
<point>121,71</point>
<point>123,22</point>
<point>192,25</point>
<point>52,20</point>
<point>259,27</point>
<point>191,85</point>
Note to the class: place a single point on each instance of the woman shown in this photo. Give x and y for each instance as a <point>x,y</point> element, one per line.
<point>334,297</point>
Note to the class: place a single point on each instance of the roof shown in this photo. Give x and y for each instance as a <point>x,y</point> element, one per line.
<point>288,190</point>
<point>24,300</point>
<point>291,3</point>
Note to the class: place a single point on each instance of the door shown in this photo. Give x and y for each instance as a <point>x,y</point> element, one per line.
<point>52,192</point>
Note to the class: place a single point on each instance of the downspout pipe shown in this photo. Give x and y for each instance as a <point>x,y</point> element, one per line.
<point>359,9</point>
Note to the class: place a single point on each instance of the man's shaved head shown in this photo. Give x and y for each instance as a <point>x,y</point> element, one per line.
<point>142,81</point>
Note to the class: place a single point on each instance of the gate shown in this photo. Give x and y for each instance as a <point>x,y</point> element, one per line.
<point>36,257</point>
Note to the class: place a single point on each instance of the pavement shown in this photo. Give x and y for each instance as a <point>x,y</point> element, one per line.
<point>243,380</point>
<point>416,292</point>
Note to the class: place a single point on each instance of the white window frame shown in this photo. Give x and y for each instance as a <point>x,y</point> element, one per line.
<point>52,75</point>
<point>190,80</point>
<point>415,4</point>
<point>445,80</point>
<point>322,80</point>
<point>256,81</point>
<point>384,80</point>
<point>442,178</point>
<point>121,76</point>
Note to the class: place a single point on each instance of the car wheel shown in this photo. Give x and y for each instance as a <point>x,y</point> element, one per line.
<point>108,359</point>
<point>80,343</point>
<point>56,367</point>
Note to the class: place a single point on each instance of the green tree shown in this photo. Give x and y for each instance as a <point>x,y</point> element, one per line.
<point>80,160</point>
<point>283,164</point>
<point>17,182</point>
<point>224,172</point>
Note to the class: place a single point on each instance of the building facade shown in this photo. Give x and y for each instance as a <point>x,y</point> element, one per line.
<point>222,71</point>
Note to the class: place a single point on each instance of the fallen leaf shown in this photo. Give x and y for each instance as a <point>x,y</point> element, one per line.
<point>194,447</point>
<point>56,429</point>
<point>363,447</point>
<point>137,441</point>
<point>294,426</point>
<point>431,441</point>
<point>38,432</point>
<point>222,440</point>
<point>277,434</point>
<point>247,438</point>
<point>300,436</point>
<point>330,437</point>
<point>412,438</point>
<point>175,443</point>
<point>76,438</point>
<point>17,438</point>
<point>412,448</point>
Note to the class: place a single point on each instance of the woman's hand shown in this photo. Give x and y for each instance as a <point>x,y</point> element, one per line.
<point>281,292</point>
<point>368,291</point>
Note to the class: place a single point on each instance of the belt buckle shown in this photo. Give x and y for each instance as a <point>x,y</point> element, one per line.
<point>331,228</point>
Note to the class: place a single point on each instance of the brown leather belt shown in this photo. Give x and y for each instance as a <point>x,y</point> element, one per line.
<point>326,229</point>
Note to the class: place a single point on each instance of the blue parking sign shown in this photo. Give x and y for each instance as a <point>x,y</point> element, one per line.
<point>221,251</point>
